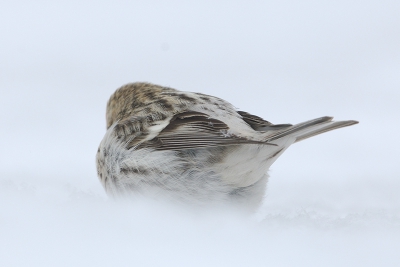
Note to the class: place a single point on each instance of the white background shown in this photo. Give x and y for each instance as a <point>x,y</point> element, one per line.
<point>333,200</point>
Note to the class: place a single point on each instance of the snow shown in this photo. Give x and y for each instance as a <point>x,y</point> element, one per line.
<point>332,200</point>
<point>56,224</point>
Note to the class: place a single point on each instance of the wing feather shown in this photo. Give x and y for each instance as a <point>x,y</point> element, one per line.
<point>188,130</point>
<point>259,124</point>
<point>198,130</point>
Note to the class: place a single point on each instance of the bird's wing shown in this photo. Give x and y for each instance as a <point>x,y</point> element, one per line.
<point>259,124</point>
<point>186,130</point>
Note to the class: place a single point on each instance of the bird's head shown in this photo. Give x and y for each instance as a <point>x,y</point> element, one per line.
<point>130,98</point>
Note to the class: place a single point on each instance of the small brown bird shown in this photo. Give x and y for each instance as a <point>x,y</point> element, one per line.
<point>191,147</point>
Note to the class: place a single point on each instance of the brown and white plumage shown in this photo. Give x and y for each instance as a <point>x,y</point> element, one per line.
<point>191,147</point>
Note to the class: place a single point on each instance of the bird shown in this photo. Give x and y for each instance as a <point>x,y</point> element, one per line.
<point>192,148</point>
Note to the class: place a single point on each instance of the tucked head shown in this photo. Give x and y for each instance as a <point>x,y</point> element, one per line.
<point>125,100</point>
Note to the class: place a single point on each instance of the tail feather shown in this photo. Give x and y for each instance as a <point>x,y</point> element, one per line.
<point>310,128</point>
<point>331,126</point>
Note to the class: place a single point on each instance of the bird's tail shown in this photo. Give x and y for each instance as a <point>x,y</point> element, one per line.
<point>310,128</point>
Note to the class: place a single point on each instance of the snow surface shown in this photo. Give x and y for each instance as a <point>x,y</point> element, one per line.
<point>333,200</point>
